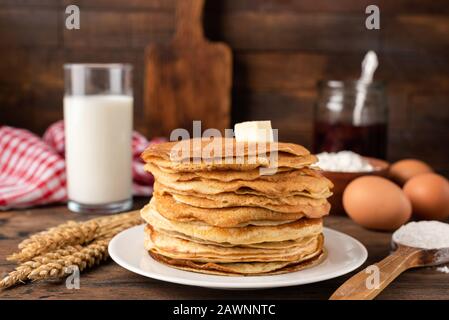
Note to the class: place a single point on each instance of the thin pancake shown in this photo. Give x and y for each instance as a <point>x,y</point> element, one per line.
<point>221,175</point>
<point>168,207</point>
<point>262,245</point>
<point>242,269</point>
<point>229,175</point>
<point>208,148</point>
<point>282,184</point>
<point>325,193</point>
<point>177,248</point>
<point>283,160</point>
<point>286,204</point>
<point>241,235</point>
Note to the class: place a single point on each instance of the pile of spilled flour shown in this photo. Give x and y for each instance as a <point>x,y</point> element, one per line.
<point>424,235</point>
<point>444,269</point>
<point>343,161</point>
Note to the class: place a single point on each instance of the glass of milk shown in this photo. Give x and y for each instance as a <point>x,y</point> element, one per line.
<point>98,119</point>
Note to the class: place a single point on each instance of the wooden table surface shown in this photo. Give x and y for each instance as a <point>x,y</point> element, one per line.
<point>109,281</point>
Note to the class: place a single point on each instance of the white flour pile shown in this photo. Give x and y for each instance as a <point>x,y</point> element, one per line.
<point>343,161</point>
<point>423,234</point>
<point>444,269</point>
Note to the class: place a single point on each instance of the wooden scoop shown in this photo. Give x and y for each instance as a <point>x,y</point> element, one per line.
<point>403,258</point>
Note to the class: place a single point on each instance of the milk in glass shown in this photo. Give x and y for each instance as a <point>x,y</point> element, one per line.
<point>98,134</point>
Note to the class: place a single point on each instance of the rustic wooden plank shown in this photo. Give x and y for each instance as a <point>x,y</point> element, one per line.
<point>117,29</point>
<point>423,70</point>
<point>398,108</point>
<point>387,7</point>
<point>292,31</point>
<point>272,71</point>
<point>329,32</point>
<point>29,3</point>
<point>32,87</point>
<point>416,33</point>
<point>148,28</point>
<point>123,5</point>
<point>28,27</point>
<point>275,70</point>
<point>430,114</point>
<point>341,6</point>
<point>109,281</point>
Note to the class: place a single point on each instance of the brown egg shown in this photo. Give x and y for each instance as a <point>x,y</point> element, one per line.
<point>429,195</point>
<point>403,170</point>
<point>376,203</point>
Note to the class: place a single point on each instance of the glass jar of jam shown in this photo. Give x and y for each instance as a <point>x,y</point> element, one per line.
<point>351,115</point>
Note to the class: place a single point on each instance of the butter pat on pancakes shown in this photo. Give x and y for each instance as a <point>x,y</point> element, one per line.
<point>253,131</point>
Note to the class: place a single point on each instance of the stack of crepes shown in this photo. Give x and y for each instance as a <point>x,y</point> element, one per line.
<point>221,214</point>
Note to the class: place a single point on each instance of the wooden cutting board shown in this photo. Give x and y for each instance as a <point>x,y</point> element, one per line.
<point>187,79</point>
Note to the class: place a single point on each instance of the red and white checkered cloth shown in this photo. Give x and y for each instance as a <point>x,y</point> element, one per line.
<point>32,170</point>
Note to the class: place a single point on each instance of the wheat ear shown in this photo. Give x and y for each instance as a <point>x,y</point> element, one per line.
<point>21,272</point>
<point>88,256</point>
<point>72,234</point>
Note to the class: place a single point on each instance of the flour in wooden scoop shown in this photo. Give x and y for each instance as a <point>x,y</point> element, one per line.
<point>423,234</point>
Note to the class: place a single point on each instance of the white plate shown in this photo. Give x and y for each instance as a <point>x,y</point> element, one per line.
<point>344,255</point>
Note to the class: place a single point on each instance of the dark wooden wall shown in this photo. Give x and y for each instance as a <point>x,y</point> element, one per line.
<point>281,48</point>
